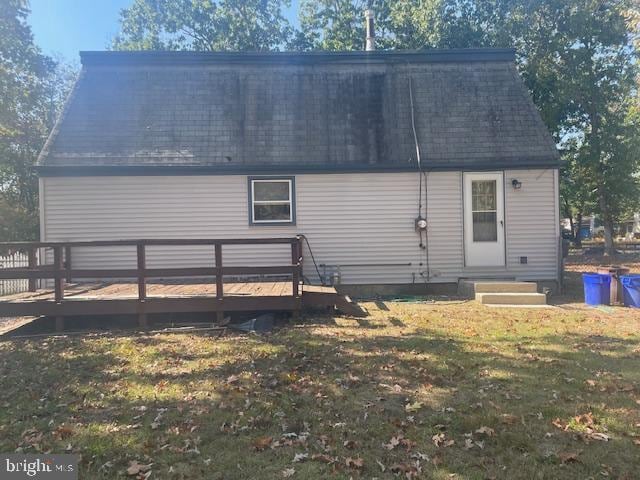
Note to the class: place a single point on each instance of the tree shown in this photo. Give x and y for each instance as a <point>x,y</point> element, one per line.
<point>205,25</point>
<point>577,188</point>
<point>32,86</point>
<point>596,66</point>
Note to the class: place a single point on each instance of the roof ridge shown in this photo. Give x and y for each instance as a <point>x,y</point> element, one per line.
<point>146,57</point>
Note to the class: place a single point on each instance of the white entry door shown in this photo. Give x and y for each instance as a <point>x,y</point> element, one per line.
<point>484,219</point>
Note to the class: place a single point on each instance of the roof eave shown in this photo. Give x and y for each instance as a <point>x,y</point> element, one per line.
<point>186,170</point>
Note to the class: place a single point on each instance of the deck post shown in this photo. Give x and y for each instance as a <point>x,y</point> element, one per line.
<point>67,261</point>
<point>33,261</point>
<point>142,284</point>
<point>219,279</point>
<point>58,268</point>
<point>219,282</point>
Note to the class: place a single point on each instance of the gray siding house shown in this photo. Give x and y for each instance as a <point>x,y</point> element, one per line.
<point>400,168</point>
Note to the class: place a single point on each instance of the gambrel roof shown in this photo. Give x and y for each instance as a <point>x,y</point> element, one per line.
<point>148,112</point>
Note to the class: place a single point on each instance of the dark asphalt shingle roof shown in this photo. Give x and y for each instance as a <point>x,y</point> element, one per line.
<point>299,111</point>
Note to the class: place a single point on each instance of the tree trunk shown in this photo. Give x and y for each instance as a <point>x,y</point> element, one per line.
<point>607,223</point>
<point>575,229</point>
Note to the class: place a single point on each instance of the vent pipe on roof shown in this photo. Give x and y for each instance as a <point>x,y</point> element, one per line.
<point>371,34</point>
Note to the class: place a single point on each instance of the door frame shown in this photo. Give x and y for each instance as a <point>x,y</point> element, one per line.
<point>499,176</point>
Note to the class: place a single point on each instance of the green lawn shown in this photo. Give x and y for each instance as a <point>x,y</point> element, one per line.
<point>436,390</point>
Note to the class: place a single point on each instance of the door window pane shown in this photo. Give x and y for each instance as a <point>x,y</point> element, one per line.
<point>485,227</point>
<point>483,195</point>
<point>483,208</point>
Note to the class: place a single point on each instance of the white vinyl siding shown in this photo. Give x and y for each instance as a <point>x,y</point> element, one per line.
<point>349,219</point>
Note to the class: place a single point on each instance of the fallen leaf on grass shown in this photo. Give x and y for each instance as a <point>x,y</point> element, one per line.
<point>288,472</point>
<point>321,457</point>
<point>603,437</point>
<point>393,443</point>
<point>355,463</point>
<point>489,432</point>
<point>585,419</point>
<point>440,440</point>
<point>509,419</point>
<point>420,456</point>
<point>63,431</point>
<point>399,440</point>
<point>262,443</point>
<point>136,468</point>
<point>413,407</point>
<point>300,457</point>
<point>469,443</point>
<point>568,457</point>
<point>407,469</point>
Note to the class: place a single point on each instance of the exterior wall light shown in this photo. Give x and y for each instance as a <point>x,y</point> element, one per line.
<point>516,184</point>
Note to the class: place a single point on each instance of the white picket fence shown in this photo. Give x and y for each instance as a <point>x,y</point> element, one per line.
<point>17,259</point>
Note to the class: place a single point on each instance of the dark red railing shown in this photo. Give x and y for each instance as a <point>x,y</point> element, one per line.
<point>62,270</point>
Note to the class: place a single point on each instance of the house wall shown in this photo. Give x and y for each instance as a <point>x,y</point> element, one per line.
<point>362,220</point>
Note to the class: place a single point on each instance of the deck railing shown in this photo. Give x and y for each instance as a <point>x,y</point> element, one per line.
<point>62,269</point>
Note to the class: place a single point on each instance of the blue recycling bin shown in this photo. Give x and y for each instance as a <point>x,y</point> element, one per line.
<point>631,290</point>
<point>596,288</point>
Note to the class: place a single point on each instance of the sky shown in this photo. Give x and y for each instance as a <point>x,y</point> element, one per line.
<point>65,27</point>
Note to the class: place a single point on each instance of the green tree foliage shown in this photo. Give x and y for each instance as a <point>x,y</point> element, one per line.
<point>205,25</point>
<point>583,80</point>
<point>336,25</point>
<point>31,90</point>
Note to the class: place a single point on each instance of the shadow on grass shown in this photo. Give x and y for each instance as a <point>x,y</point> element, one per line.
<point>194,406</point>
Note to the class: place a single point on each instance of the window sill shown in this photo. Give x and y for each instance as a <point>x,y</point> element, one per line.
<point>272,224</point>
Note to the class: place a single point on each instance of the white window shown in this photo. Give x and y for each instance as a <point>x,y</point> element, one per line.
<point>271,200</point>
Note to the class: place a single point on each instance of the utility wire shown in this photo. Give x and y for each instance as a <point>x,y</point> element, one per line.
<point>313,258</point>
<point>422,174</point>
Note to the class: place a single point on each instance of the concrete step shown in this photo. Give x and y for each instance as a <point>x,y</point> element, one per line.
<point>501,298</point>
<point>506,287</point>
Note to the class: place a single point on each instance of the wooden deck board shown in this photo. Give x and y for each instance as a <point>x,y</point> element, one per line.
<point>122,298</point>
<point>162,290</point>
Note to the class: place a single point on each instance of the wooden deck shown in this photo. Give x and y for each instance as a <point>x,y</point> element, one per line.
<point>162,290</point>
<point>122,298</point>
<point>120,290</point>
<point>125,290</point>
